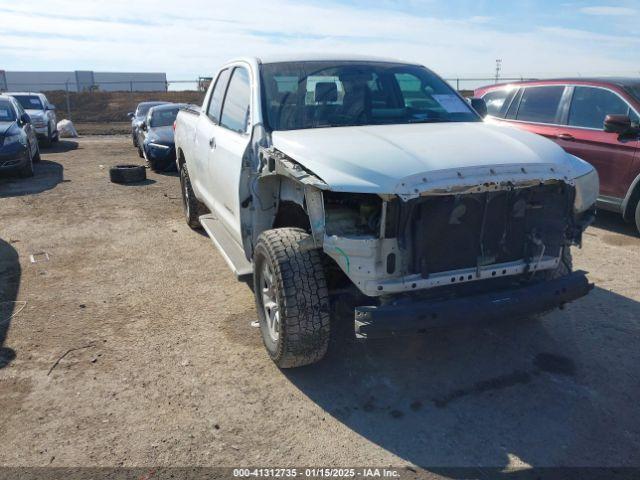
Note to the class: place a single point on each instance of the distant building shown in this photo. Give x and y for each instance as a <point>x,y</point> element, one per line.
<point>82,81</point>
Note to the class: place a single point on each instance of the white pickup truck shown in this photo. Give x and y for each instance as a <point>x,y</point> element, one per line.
<point>371,187</point>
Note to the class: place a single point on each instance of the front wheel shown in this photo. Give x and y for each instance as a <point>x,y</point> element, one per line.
<point>638,216</point>
<point>291,298</point>
<point>27,169</point>
<point>36,157</point>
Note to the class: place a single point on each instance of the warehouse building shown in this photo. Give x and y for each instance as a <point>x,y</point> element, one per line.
<point>82,81</point>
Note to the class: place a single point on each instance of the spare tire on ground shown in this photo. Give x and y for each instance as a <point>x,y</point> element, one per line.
<point>127,173</point>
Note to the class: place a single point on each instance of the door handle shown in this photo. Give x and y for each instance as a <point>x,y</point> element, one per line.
<point>212,142</point>
<point>565,136</point>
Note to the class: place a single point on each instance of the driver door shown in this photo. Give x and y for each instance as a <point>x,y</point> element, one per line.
<point>584,136</point>
<point>202,178</point>
<point>231,140</point>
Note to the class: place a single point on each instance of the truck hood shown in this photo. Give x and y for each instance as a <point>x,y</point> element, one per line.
<point>410,159</point>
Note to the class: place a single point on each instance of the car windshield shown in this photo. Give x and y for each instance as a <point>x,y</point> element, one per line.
<point>143,108</point>
<point>29,102</point>
<point>299,95</point>
<point>634,91</point>
<point>163,117</point>
<point>6,112</point>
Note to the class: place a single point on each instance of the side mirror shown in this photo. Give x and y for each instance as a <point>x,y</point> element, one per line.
<point>143,126</point>
<point>480,106</point>
<point>25,118</point>
<point>617,123</point>
<point>51,107</point>
<point>130,115</point>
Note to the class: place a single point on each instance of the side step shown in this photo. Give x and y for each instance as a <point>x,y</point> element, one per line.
<point>228,247</point>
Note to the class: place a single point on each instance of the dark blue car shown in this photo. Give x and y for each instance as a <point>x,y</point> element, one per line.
<point>137,118</point>
<point>18,141</point>
<point>155,137</point>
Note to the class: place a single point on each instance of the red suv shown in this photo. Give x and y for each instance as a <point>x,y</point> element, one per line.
<point>597,120</point>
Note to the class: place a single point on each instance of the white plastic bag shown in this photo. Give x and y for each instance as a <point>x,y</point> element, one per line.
<point>66,129</point>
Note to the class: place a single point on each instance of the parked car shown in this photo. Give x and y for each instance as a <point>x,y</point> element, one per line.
<point>18,141</point>
<point>42,114</point>
<point>155,137</point>
<point>596,119</point>
<point>138,117</point>
<point>371,187</point>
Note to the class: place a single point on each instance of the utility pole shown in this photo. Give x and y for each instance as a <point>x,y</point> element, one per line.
<point>498,68</point>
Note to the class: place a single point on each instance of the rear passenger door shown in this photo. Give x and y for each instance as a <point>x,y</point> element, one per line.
<point>231,142</point>
<point>584,136</point>
<point>205,141</point>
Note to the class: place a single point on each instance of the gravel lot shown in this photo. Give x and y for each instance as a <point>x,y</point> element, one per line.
<point>168,370</point>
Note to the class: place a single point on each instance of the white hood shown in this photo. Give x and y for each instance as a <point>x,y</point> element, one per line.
<point>407,159</point>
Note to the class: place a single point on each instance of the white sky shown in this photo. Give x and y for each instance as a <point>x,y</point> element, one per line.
<point>192,37</point>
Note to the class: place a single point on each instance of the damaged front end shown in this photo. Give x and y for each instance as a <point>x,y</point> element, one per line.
<point>485,238</point>
<point>391,246</point>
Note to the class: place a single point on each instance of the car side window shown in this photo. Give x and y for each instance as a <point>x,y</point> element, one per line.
<point>497,102</point>
<point>589,107</point>
<point>215,103</point>
<point>235,111</point>
<point>540,104</point>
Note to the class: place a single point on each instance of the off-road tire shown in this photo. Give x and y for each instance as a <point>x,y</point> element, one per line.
<point>301,294</point>
<point>638,216</point>
<point>140,152</point>
<point>128,173</point>
<point>191,206</point>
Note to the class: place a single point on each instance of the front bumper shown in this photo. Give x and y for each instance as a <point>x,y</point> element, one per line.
<point>160,158</point>
<point>410,317</point>
<point>13,156</point>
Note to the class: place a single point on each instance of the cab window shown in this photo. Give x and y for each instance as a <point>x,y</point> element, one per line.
<point>215,103</point>
<point>235,111</point>
<point>589,107</point>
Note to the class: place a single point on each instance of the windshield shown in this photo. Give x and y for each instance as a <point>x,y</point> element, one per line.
<point>29,102</point>
<point>6,112</point>
<point>143,108</point>
<point>300,95</point>
<point>634,91</point>
<point>163,117</point>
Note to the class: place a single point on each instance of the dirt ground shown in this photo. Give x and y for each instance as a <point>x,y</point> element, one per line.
<point>163,367</point>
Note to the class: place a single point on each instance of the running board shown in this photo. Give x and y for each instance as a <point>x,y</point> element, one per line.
<point>228,247</point>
